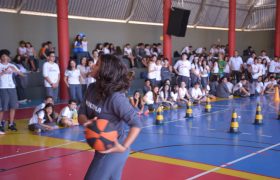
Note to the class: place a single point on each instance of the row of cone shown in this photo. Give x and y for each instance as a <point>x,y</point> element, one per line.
<point>234,126</point>
<point>189,112</point>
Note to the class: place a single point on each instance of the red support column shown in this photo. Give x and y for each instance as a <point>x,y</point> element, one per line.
<point>231,26</point>
<point>167,41</point>
<point>277,30</point>
<point>63,43</point>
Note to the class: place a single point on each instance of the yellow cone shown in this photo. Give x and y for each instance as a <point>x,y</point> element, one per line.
<point>259,116</point>
<point>189,112</point>
<point>159,117</point>
<point>234,125</point>
<point>208,106</point>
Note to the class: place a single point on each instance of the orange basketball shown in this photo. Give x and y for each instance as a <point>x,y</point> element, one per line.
<point>100,135</point>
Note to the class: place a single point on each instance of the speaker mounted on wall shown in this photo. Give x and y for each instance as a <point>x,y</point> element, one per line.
<point>178,21</point>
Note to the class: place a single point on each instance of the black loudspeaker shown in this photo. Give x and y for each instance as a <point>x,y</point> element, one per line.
<point>178,21</point>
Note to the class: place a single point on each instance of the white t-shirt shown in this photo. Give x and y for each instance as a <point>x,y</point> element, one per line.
<point>89,79</point>
<point>259,87</point>
<point>127,51</point>
<point>226,69</point>
<point>85,46</point>
<point>229,86</point>
<point>186,50</point>
<point>147,52</point>
<point>235,63</point>
<point>261,68</point>
<point>195,93</point>
<point>83,71</point>
<point>51,70</point>
<point>199,50</point>
<point>66,112</point>
<point>158,72</point>
<point>22,51</point>
<point>250,61</point>
<point>152,67</point>
<point>183,67</point>
<point>272,66</point>
<point>39,107</point>
<point>196,68</point>
<point>149,97</point>
<point>161,95</point>
<point>106,51</point>
<point>216,69</point>
<point>265,57</point>
<point>277,67</point>
<point>174,96</point>
<point>73,76</point>
<point>36,116</point>
<point>255,71</point>
<point>204,71</point>
<point>6,80</point>
<point>182,92</point>
<point>237,87</point>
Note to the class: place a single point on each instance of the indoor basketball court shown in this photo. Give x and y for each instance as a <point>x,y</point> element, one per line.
<point>210,120</point>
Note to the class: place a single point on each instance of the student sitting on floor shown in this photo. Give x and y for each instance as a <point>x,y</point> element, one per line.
<point>43,120</point>
<point>222,89</point>
<point>151,99</point>
<point>183,94</point>
<point>240,90</point>
<point>166,98</point>
<point>147,86</point>
<point>175,94</point>
<point>48,99</point>
<point>137,102</point>
<point>229,85</point>
<point>259,87</point>
<point>269,85</point>
<point>196,94</point>
<point>68,116</point>
<point>205,92</point>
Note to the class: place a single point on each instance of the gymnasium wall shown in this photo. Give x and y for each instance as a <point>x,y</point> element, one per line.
<point>37,29</point>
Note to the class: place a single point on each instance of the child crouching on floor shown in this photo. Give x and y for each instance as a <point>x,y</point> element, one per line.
<point>43,120</point>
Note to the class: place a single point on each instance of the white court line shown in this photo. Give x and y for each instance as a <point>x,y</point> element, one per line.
<point>194,127</point>
<point>179,126</point>
<point>211,129</point>
<point>38,150</point>
<point>233,162</point>
<point>263,135</point>
<point>246,133</point>
<point>43,149</point>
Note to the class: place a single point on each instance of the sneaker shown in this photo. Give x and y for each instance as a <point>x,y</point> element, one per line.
<point>2,131</point>
<point>12,127</point>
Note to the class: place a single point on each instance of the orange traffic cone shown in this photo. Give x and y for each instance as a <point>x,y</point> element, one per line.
<point>276,95</point>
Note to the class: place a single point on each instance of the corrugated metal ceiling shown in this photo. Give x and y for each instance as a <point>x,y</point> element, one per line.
<point>251,14</point>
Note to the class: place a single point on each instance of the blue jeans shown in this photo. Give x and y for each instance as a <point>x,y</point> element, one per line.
<point>75,91</point>
<point>52,92</point>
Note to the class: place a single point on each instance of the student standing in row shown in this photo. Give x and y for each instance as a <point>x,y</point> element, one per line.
<point>8,93</point>
<point>51,75</point>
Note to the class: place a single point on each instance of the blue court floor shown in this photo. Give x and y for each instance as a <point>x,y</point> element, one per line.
<point>205,138</point>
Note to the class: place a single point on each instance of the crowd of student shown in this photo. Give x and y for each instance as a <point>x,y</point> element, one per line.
<point>196,75</point>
